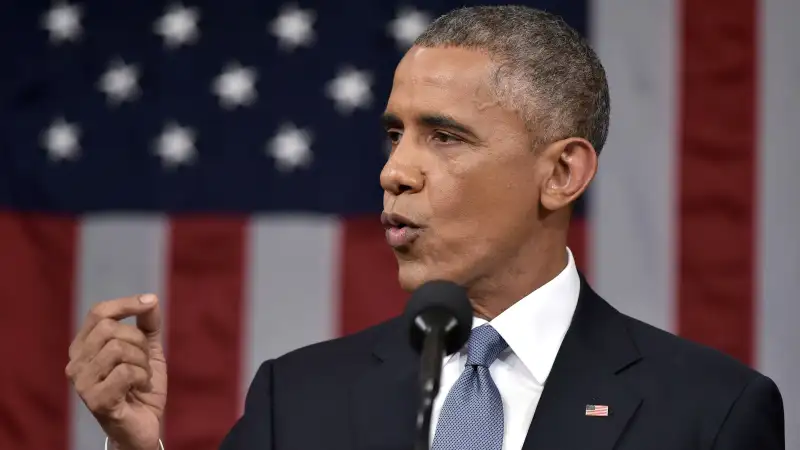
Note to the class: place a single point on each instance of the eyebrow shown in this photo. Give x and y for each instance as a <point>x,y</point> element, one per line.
<point>391,120</point>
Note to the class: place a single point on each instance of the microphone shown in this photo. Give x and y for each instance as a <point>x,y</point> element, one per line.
<point>439,320</point>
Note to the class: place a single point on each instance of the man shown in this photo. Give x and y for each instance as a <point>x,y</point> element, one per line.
<point>497,116</point>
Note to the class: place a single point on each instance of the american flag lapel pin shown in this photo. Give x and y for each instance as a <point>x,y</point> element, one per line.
<point>597,410</point>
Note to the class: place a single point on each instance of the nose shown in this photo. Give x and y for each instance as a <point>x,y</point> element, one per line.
<point>401,173</point>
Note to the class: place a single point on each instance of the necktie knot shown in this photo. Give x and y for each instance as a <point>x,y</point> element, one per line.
<point>484,345</point>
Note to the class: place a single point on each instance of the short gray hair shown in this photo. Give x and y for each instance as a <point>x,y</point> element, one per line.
<point>545,70</point>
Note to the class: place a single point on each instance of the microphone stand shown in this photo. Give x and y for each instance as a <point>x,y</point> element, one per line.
<point>433,352</point>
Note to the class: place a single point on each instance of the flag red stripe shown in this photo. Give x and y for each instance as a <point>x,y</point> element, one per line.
<point>576,240</point>
<point>717,180</point>
<point>205,290</point>
<point>38,266</point>
<point>370,292</point>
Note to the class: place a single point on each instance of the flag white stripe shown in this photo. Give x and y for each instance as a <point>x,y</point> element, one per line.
<point>632,215</point>
<point>778,334</point>
<point>292,286</point>
<point>117,256</point>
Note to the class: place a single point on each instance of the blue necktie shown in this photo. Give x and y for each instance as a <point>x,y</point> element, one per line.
<point>472,415</point>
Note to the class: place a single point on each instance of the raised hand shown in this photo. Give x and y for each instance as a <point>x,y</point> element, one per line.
<point>120,372</point>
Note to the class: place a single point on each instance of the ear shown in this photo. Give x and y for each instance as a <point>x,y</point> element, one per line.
<point>572,164</point>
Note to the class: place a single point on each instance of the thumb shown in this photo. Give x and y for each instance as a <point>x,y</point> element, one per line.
<point>149,321</point>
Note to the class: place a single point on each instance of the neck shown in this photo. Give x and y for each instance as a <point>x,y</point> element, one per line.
<point>528,271</point>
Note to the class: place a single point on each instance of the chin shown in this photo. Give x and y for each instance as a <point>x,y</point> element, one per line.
<point>411,275</point>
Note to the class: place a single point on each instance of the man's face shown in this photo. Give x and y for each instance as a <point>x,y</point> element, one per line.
<point>462,169</point>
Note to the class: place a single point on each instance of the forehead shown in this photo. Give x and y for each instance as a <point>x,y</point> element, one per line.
<point>442,78</point>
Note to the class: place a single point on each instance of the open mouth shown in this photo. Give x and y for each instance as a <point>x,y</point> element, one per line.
<point>394,220</point>
<point>400,231</point>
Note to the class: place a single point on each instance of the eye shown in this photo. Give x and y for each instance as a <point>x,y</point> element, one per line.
<point>445,138</point>
<point>394,136</point>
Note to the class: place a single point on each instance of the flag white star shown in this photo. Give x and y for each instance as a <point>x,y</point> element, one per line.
<point>63,22</point>
<point>408,25</point>
<point>178,25</point>
<point>235,86</point>
<point>61,140</point>
<point>293,27</point>
<point>350,90</point>
<point>120,82</point>
<point>175,145</point>
<point>291,148</point>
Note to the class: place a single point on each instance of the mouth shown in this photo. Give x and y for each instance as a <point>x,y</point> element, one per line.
<point>400,230</point>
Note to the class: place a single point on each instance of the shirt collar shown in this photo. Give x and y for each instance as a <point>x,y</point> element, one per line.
<point>535,326</point>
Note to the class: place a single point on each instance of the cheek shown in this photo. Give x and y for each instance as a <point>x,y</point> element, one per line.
<point>481,196</point>
<point>464,221</point>
<point>489,207</point>
<point>455,199</point>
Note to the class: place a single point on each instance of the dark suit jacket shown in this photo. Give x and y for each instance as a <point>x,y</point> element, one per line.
<point>664,393</point>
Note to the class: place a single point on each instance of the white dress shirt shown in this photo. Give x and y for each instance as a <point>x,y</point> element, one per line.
<point>534,328</point>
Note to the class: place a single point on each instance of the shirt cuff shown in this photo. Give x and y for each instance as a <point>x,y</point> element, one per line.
<point>160,444</point>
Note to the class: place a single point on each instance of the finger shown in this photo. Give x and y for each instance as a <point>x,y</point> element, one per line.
<point>116,309</point>
<point>149,321</point>
<point>104,331</point>
<point>114,353</point>
<point>104,397</point>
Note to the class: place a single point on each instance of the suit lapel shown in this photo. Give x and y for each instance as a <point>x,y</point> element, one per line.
<point>595,350</point>
<point>385,398</point>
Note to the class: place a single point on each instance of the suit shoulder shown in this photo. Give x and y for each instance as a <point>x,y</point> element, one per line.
<point>341,350</point>
<point>678,355</point>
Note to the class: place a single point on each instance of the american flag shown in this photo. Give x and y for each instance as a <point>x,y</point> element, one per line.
<point>225,155</point>
<point>597,410</point>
